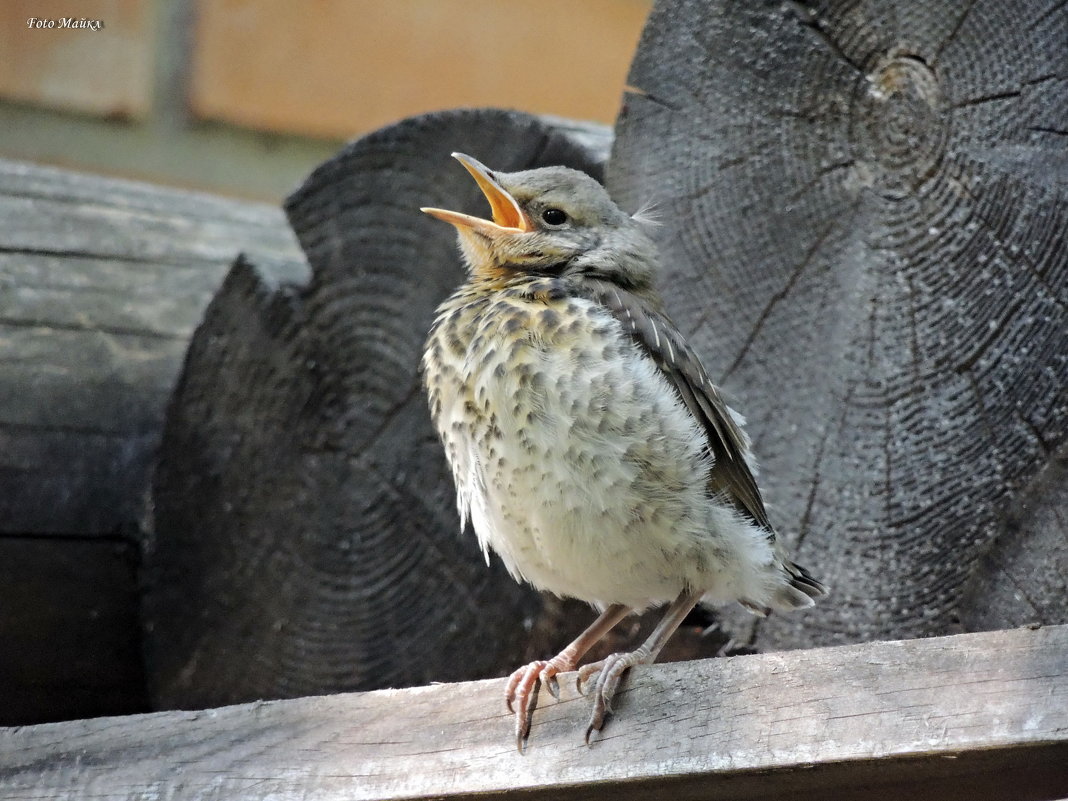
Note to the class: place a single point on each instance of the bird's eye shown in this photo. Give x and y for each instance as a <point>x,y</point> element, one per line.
<point>554,216</point>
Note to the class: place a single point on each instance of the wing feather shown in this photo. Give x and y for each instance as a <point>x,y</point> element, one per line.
<point>730,476</point>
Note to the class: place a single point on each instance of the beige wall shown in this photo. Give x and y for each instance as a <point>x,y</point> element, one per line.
<point>245,96</point>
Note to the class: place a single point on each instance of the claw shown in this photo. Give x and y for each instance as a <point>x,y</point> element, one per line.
<point>521,694</point>
<point>597,717</point>
<point>523,721</point>
<point>609,673</point>
<point>510,688</point>
<point>552,684</point>
<point>585,673</point>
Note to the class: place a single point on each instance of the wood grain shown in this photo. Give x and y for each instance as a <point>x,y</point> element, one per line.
<point>863,211</point>
<point>978,716</point>
<point>101,285</point>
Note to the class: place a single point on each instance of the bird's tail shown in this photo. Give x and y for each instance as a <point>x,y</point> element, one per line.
<point>799,591</point>
<point>804,582</point>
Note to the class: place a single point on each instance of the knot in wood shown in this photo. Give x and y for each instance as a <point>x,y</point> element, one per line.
<point>899,124</point>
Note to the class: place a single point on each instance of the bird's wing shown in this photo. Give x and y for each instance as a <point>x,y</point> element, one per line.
<point>655,334</point>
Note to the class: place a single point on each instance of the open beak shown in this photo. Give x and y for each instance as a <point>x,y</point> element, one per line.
<point>508,218</point>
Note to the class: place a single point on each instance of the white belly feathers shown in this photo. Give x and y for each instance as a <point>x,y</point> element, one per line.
<point>583,469</point>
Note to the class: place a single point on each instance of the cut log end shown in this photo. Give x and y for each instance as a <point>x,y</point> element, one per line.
<point>862,223</point>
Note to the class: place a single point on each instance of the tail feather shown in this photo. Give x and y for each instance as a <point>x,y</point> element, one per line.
<point>798,592</point>
<point>802,580</point>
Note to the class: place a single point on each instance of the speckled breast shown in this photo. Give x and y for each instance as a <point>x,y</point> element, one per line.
<point>574,459</point>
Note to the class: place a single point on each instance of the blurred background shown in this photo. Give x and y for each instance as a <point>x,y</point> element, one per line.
<point>245,97</point>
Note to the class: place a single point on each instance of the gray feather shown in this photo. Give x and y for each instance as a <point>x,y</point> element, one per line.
<point>730,477</point>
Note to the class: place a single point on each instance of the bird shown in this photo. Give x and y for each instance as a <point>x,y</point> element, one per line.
<point>589,448</point>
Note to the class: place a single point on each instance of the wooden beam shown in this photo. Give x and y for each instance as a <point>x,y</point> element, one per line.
<point>970,716</point>
<point>102,283</point>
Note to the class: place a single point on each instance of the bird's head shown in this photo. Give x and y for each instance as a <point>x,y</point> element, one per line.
<point>551,221</point>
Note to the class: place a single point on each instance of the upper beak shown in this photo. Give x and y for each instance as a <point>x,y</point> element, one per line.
<point>508,218</point>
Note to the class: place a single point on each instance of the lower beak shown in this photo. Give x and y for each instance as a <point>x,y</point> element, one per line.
<point>508,218</point>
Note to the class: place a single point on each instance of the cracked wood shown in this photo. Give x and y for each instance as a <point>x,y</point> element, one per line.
<point>865,234</point>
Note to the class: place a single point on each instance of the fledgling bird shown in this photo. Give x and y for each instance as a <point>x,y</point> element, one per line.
<point>589,448</point>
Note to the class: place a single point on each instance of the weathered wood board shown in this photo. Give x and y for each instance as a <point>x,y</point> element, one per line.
<point>102,282</point>
<point>975,716</point>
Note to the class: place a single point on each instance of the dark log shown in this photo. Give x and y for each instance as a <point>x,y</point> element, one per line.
<point>975,717</point>
<point>306,538</point>
<point>863,210</point>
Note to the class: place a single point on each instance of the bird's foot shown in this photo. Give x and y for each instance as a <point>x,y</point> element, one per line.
<point>609,672</point>
<point>521,692</point>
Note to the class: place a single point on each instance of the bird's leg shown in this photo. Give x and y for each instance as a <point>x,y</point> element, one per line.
<point>612,668</point>
<point>521,692</point>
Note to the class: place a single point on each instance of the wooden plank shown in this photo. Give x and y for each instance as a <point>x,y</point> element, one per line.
<point>972,716</point>
<point>70,639</point>
<point>102,283</point>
